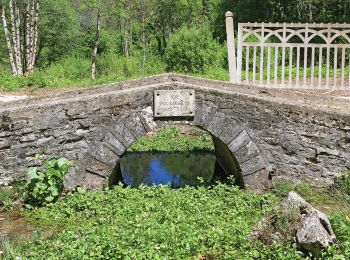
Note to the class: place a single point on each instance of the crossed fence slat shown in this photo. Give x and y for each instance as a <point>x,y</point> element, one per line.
<point>289,55</point>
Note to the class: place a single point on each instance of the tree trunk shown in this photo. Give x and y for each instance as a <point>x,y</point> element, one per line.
<point>130,26</point>
<point>15,43</point>
<point>18,38</point>
<point>143,30</point>
<point>125,39</point>
<point>8,41</point>
<point>22,48</point>
<point>34,35</point>
<point>126,29</point>
<point>31,33</point>
<point>94,51</point>
<point>27,34</point>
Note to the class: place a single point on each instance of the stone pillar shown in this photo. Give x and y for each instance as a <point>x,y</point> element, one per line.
<point>231,52</point>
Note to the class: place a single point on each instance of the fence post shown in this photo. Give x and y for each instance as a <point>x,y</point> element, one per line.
<point>231,51</point>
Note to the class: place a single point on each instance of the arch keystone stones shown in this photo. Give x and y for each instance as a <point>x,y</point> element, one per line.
<point>236,152</point>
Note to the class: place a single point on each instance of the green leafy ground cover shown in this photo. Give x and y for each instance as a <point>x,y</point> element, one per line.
<point>173,139</point>
<point>160,222</point>
<point>150,223</point>
<point>163,223</point>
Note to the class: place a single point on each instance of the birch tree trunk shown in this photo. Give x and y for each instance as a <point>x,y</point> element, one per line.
<point>27,33</point>
<point>18,39</point>
<point>33,31</point>
<point>8,41</point>
<point>94,51</point>
<point>22,48</point>
<point>36,34</point>
<point>15,39</point>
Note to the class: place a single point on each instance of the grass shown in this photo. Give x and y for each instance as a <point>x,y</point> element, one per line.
<point>160,222</point>
<point>150,223</point>
<point>10,194</point>
<point>328,199</point>
<point>163,223</point>
<point>7,249</point>
<point>74,72</point>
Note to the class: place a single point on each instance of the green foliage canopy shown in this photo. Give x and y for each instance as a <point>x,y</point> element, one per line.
<point>193,51</point>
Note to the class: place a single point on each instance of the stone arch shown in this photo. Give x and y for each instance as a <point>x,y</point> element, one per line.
<point>238,152</point>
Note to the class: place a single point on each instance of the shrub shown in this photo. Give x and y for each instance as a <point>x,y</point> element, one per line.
<point>45,187</point>
<point>120,67</point>
<point>193,51</point>
<point>217,73</point>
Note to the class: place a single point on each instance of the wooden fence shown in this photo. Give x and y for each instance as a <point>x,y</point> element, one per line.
<point>290,55</point>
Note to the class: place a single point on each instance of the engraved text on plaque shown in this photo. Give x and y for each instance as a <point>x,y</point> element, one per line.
<point>174,103</point>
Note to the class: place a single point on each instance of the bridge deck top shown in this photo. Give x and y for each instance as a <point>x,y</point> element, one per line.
<point>326,100</point>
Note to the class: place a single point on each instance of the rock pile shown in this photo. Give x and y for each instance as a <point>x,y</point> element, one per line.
<point>297,221</point>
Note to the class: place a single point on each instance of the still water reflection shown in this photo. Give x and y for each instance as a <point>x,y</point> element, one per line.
<point>177,169</point>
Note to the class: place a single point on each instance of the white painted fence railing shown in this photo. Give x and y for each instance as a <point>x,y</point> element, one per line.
<point>290,55</point>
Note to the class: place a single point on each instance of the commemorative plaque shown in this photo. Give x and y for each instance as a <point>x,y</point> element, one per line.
<point>174,103</point>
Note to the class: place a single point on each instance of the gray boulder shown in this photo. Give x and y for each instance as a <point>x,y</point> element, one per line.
<point>295,220</point>
<point>314,232</point>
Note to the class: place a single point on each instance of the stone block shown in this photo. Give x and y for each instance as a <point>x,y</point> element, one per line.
<point>258,181</point>
<point>240,140</point>
<point>123,134</point>
<point>247,152</point>
<point>114,144</point>
<point>146,116</point>
<point>217,123</point>
<point>102,153</point>
<point>135,125</point>
<point>252,166</point>
<point>27,138</point>
<point>98,168</point>
<point>230,131</point>
<point>201,117</point>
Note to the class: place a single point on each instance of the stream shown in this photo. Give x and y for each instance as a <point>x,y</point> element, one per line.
<point>176,169</point>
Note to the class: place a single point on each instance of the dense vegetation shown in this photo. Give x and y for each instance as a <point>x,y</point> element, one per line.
<point>187,223</point>
<point>151,223</point>
<point>175,139</point>
<point>160,222</point>
<point>138,38</point>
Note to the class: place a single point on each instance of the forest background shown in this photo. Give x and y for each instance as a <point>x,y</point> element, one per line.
<point>60,43</point>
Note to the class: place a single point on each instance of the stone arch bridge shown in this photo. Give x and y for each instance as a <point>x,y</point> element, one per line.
<point>257,133</point>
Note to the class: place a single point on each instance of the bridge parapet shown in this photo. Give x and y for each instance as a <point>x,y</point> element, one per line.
<point>301,139</point>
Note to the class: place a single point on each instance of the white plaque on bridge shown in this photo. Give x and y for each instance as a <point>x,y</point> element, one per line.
<point>174,103</point>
